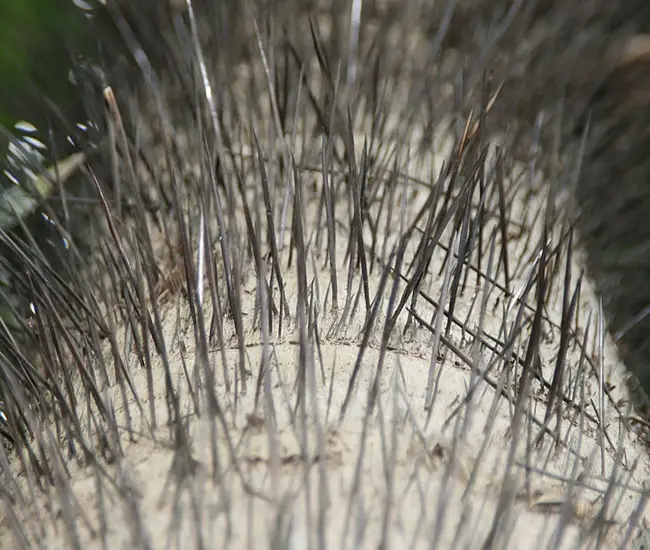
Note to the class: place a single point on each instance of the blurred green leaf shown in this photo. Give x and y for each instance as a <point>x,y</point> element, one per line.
<point>41,44</point>
<point>16,203</point>
<point>36,40</point>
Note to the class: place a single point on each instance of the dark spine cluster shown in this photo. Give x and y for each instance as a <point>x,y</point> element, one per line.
<point>281,182</point>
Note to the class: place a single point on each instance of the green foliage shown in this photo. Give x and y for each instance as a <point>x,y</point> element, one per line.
<point>41,43</point>
<point>37,38</point>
